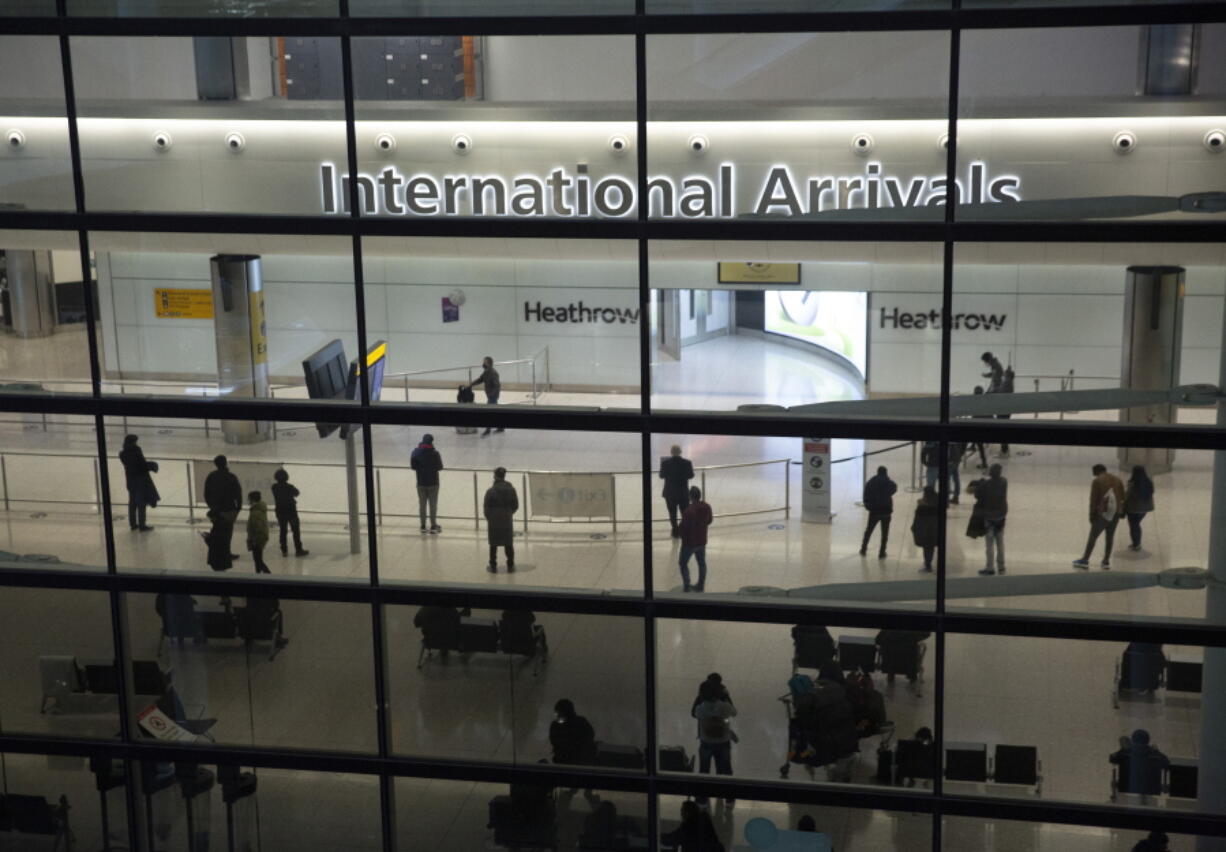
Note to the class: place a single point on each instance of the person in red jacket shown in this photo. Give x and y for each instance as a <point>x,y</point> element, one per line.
<point>694,522</point>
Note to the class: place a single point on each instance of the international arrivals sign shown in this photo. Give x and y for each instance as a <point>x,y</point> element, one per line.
<point>574,193</point>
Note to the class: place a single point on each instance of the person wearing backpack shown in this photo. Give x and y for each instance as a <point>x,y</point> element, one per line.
<point>1106,508</point>
<point>715,737</point>
<point>1138,502</point>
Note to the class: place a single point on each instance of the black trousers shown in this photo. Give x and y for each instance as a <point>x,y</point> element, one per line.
<point>675,507</point>
<point>289,521</point>
<point>510,548</point>
<point>873,520</point>
<point>136,514</point>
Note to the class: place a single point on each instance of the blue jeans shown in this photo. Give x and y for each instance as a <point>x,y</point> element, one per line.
<point>722,753</point>
<point>492,398</point>
<point>701,554</point>
<point>934,473</point>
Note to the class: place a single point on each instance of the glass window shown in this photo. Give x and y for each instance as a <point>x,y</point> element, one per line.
<point>533,127</point>
<point>58,664</point>
<point>862,690</point>
<point>21,8</point>
<point>62,800</point>
<point>255,671</point>
<point>559,318</point>
<point>35,168</point>
<point>436,8</point>
<point>531,686</point>
<point>1141,747</point>
<point>1061,124</point>
<point>203,8</point>
<point>306,522</point>
<point>797,126</point>
<point>192,125</point>
<point>963,834</point>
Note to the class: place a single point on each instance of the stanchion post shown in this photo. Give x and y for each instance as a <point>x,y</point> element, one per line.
<point>476,505</point>
<point>98,487</point>
<point>613,496</point>
<point>379,495</point>
<point>523,484</point>
<point>702,477</point>
<point>787,487</point>
<point>4,479</point>
<point>191,500</point>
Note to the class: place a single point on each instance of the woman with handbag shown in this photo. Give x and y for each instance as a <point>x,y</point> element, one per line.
<point>141,490</point>
<point>988,517</point>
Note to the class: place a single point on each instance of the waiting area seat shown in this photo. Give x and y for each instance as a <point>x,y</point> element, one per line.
<point>69,686</point>
<point>32,822</point>
<point>892,652</point>
<point>445,629</point>
<point>526,819</point>
<point>1008,764</point>
<point>1143,669</point>
<point>1153,775</point>
<point>260,620</point>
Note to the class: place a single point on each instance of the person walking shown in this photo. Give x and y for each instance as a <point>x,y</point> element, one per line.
<point>694,522</point>
<point>142,493</point>
<point>879,501</point>
<point>715,737</point>
<point>930,457</point>
<point>924,526</point>
<point>1106,508</point>
<point>1138,502</point>
<point>257,530</point>
<point>501,504</point>
<point>285,500</point>
<point>992,505</point>
<point>426,463</point>
<point>1000,380</point>
<point>224,496</point>
<point>676,472</point>
<point>491,384</point>
<point>979,445</point>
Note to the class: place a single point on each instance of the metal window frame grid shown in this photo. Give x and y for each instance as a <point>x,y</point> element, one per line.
<point>376,594</point>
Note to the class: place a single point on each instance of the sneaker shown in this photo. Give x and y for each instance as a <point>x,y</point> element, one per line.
<point>926,568</point>
<point>863,552</point>
<point>1000,569</point>
<point>510,567</point>
<point>284,552</point>
<point>881,555</point>
<point>1106,564</point>
<point>988,572</point>
<point>145,528</point>
<point>302,553</point>
<point>492,568</point>
<point>424,531</point>
<point>1134,547</point>
<point>1081,563</point>
<point>436,529</point>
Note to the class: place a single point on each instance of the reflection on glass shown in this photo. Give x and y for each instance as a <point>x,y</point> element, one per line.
<point>1145,747</point>
<point>280,508</point>
<point>169,124</point>
<point>818,324</point>
<point>854,126</point>
<point>435,8</point>
<point>35,169</point>
<point>204,8</point>
<point>536,686</point>
<point>860,693</point>
<point>58,664</point>
<point>63,802</point>
<point>1104,151</point>
<point>251,671</point>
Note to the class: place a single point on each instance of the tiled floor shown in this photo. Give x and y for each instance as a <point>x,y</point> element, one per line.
<point>319,692</point>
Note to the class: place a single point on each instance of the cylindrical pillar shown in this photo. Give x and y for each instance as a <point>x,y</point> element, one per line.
<point>31,293</point>
<point>242,340</point>
<point>1153,337</point>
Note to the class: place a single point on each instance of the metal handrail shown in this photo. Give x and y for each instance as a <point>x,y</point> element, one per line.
<point>454,369</point>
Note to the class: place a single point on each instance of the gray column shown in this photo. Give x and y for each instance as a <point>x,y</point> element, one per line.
<point>242,339</point>
<point>1152,340</point>
<point>31,293</point>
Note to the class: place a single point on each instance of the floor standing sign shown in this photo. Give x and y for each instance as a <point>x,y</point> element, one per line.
<point>815,493</point>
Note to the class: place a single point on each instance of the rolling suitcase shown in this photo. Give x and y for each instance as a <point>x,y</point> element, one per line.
<point>465,396</point>
<point>674,759</point>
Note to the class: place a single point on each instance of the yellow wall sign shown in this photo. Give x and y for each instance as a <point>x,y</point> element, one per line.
<point>759,273</point>
<point>182,304</point>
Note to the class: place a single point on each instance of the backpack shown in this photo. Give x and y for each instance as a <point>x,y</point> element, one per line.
<point>713,728</point>
<point>1109,506</point>
<point>800,684</point>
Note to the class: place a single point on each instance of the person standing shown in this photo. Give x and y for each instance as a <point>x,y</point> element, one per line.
<point>676,473</point>
<point>142,493</point>
<point>491,384</point>
<point>924,526</point>
<point>1156,841</point>
<point>285,499</point>
<point>694,522</point>
<point>1000,380</point>
<point>879,501</point>
<point>930,457</point>
<point>696,833</point>
<point>501,504</point>
<point>979,445</point>
<point>714,714</point>
<point>224,496</point>
<point>1138,502</point>
<point>257,530</point>
<point>1106,507</point>
<point>992,505</point>
<point>426,463</point>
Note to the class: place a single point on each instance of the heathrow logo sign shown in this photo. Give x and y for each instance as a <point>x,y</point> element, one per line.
<point>575,193</point>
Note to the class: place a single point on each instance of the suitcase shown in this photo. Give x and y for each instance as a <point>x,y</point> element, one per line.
<point>465,396</point>
<point>857,653</point>
<point>885,766</point>
<point>674,759</point>
<point>619,756</point>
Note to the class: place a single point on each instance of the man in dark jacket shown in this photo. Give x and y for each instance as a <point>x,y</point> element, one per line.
<point>676,473</point>
<point>224,496</point>
<point>879,501</point>
<point>285,501</point>
<point>142,493</point>
<point>1157,841</point>
<point>491,383</point>
<point>571,735</point>
<point>501,504</point>
<point>992,505</point>
<point>426,463</point>
<point>694,522</point>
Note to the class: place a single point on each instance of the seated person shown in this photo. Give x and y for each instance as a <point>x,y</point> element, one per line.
<point>827,724</point>
<point>1144,764</point>
<point>806,823</point>
<point>440,626</point>
<point>1157,841</point>
<point>915,757</point>
<point>179,618</point>
<point>571,735</point>
<point>900,652</point>
<point>262,617</point>
<point>696,832</point>
<point>520,634</point>
<point>1141,667</point>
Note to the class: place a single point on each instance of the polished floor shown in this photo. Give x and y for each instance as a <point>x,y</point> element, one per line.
<point>318,692</point>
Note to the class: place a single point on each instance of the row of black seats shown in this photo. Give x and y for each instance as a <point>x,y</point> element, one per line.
<point>445,629</point>
<point>261,620</point>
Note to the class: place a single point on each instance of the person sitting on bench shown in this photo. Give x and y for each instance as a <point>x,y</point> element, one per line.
<point>440,627</point>
<point>1141,764</point>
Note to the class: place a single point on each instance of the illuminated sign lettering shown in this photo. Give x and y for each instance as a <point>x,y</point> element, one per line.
<point>577,194</point>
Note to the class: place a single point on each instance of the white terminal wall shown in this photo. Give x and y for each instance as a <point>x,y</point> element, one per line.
<point>1057,317</point>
